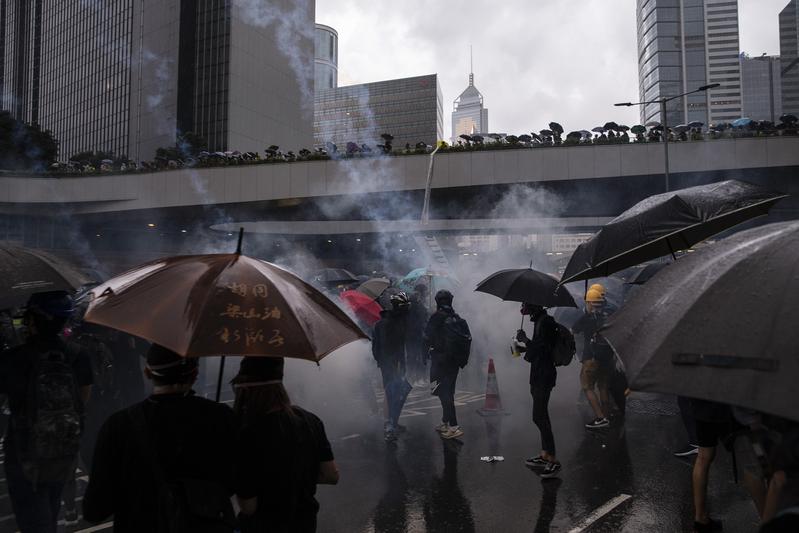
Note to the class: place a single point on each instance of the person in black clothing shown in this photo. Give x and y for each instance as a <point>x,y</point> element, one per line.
<point>443,369</point>
<point>35,483</point>
<point>538,352</point>
<point>282,453</point>
<point>172,441</point>
<point>388,349</point>
<point>713,423</point>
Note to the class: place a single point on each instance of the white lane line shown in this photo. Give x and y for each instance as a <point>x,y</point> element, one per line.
<point>99,527</point>
<point>353,436</point>
<point>600,512</point>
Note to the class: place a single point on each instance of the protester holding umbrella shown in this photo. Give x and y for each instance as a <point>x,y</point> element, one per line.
<point>388,349</point>
<point>538,352</point>
<point>282,452</point>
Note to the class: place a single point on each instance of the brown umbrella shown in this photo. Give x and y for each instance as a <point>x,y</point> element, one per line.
<point>223,304</point>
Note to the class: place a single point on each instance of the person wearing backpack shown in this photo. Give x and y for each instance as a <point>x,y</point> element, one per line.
<point>165,465</point>
<point>538,351</point>
<point>48,382</point>
<point>448,342</point>
<point>389,343</point>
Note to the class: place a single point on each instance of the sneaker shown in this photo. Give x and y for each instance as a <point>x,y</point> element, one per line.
<point>551,470</point>
<point>598,423</point>
<point>707,527</point>
<point>536,461</point>
<point>691,449</point>
<point>390,436</point>
<point>442,428</point>
<point>70,517</point>
<point>453,432</point>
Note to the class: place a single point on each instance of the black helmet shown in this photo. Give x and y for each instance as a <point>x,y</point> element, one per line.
<point>400,300</point>
<point>443,297</point>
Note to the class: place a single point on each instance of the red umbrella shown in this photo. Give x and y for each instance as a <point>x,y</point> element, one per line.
<point>364,307</point>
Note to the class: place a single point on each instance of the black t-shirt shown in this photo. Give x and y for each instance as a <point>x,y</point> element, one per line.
<point>538,353</point>
<point>16,369</point>
<point>277,461</point>
<point>195,439</point>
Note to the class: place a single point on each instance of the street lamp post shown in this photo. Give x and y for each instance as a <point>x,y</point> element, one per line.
<point>664,122</point>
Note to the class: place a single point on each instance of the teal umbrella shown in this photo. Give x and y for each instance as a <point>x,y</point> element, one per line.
<point>434,280</point>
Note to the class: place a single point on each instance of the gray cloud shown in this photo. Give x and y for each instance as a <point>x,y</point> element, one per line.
<point>535,60</point>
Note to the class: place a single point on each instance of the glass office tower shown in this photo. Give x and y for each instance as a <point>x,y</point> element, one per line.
<point>789,56</point>
<point>682,45</point>
<point>325,58</point>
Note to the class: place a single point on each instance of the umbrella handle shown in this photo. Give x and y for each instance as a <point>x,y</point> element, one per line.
<point>219,379</point>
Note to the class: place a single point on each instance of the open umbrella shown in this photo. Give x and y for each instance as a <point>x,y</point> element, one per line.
<point>25,271</point>
<point>719,324</point>
<point>433,279</point>
<point>695,124</point>
<point>598,129</point>
<point>789,118</point>
<point>364,307</point>
<point>526,285</point>
<point>334,276</point>
<point>681,128</point>
<point>645,274</point>
<point>547,133</point>
<point>611,126</point>
<point>638,129</point>
<point>741,122</point>
<point>653,124</point>
<point>557,128</point>
<point>223,304</point>
<point>374,287</point>
<point>663,223</point>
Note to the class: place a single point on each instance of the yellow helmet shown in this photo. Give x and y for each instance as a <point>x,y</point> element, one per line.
<point>593,296</point>
<point>598,287</point>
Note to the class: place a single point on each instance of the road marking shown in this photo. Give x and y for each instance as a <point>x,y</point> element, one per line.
<point>353,436</point>
<point>99,527</point>
<point>600,512</point>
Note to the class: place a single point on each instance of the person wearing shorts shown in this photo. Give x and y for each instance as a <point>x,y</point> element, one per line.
<point>713,424</point>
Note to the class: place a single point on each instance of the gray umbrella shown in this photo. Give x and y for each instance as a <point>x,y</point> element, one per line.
<point>663,223</point>
<point>719,324</point>
<point>374,287</point>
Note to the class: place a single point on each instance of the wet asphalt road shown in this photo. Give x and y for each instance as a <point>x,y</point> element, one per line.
<point>619,479</point>
<point>424,483</point>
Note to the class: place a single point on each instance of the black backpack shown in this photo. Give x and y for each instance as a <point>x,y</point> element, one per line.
<point>184,505</point>
<point>564,348</point>
<point>48,432</point>
<point>457,340</point>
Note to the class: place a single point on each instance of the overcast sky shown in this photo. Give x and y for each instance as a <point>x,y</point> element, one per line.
<point>534,60</point>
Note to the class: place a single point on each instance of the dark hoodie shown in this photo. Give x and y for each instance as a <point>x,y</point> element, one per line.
<point>388,341</point>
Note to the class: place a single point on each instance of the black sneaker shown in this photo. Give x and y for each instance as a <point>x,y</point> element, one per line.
<point>598,423</point>
<point>71,517</point>
<point>536,461</point>
<point>710,525</point>
<point>691,449</point>
<point>551,470</point>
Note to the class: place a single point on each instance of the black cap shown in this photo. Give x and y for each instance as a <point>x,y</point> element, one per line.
<point>163,361</point>
<point>444,297</point>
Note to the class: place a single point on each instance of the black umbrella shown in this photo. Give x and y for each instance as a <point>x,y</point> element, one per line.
<point>663,223</point>
<point>638,129</point>
<point>547,133</point>
<point>695,124</point>
<point>788,118</point>
<point>557,128</point>
<point>645,274</point>
<point>24,271</point>
<point>526,285</point>
<point>719,324</point>
<point>611,126</point>
<point>334,276</point>
<point>598,129</point>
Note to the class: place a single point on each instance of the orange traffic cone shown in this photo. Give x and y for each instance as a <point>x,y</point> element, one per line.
<point>493,404</point>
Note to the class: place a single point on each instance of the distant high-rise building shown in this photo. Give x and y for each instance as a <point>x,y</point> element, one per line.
<point>325,58</point>
<point>683,45</point>
<point>468,114</point>
<point>410,109</point>
<point>127,76</point>
<point>789,57</point>
<point>760,84</point>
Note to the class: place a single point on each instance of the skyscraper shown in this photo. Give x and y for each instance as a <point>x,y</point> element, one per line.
<point>762,91</point>
<point>789,57</point>
<point>127,76</point>
<point>682,45</point>
<point>468,114</point>
<point>325,58</point>
<point>410,109</point>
